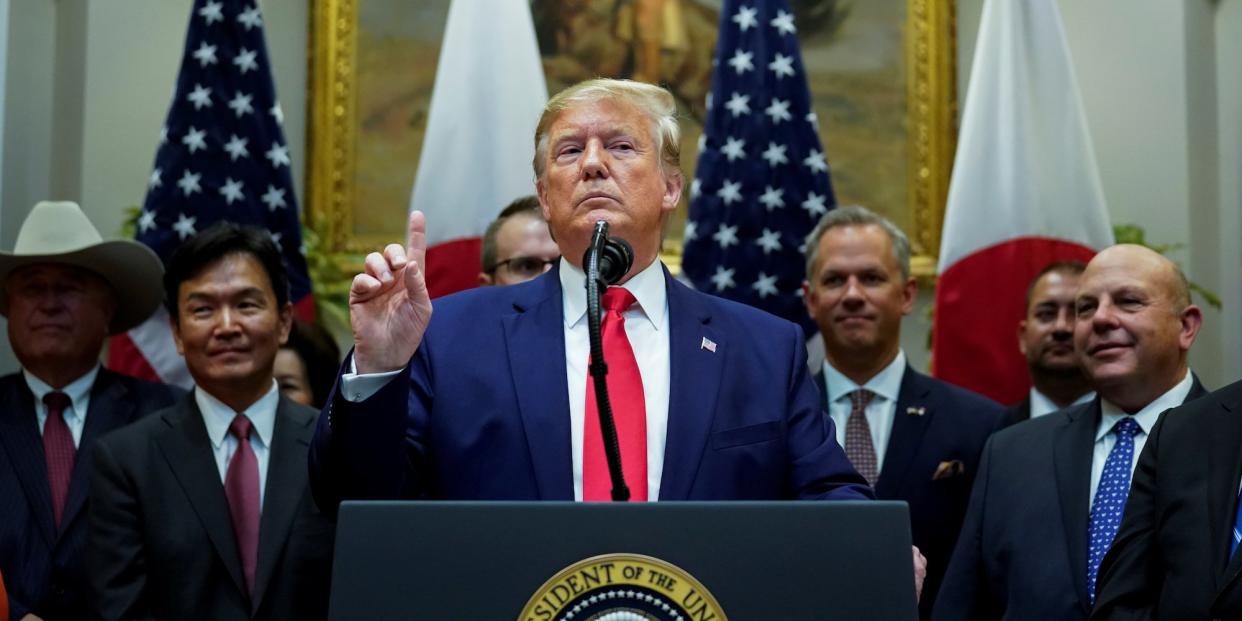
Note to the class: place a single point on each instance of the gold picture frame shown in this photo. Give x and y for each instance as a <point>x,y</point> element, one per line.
<point>332,183</point>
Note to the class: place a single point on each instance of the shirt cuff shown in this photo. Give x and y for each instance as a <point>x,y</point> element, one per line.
<point>356,387</point>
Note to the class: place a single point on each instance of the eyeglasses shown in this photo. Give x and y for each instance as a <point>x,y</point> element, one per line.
<point>524,266</point>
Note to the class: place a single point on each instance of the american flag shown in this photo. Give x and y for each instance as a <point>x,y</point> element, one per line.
<point>762,180</point>
<point>222,155</point>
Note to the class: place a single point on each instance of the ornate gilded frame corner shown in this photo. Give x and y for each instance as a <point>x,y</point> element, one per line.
<point>931,56</point>
<point>330,178</point>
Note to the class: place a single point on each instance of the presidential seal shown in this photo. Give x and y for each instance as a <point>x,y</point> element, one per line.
<point>622,587</point>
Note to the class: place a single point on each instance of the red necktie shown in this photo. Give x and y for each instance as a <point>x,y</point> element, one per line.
<point>241,487</point>
<point>629,410</point>
<point>58,450</point>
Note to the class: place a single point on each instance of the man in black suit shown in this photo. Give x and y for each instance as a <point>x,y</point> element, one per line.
<point>915,438</point>
<point>202,510</point>
<point>1175,556</point>
<point>1050,491</point>
<point>1046,338</point>
<point>64,290</point>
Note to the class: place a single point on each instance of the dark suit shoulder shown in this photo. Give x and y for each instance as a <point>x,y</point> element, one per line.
<point>1040,429</point>
<point>960,399</point>
<point>150,396</point>
<point>1189,417</point>
<point>138,433</point>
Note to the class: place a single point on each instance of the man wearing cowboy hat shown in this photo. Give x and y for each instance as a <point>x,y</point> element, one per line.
<point>63,290</point>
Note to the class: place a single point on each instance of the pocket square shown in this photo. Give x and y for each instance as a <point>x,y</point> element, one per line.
<point>949,469</point>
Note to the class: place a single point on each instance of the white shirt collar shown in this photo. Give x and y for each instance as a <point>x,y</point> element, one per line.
<point>217,416</point>
<point>648,287</point>
<point>1041,404</point>
<point>885,384</point>
<point>78,390</point>
<point>1146,417</point>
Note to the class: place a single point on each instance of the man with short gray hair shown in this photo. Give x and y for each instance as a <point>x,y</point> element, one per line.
<point>915,438</point>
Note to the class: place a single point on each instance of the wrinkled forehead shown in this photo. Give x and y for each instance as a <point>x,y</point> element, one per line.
<point>53,272</point>
<point>1113,276</point>
<point>605,116</point>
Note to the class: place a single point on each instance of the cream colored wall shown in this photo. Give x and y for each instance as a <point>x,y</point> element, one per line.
<point>87,89</point>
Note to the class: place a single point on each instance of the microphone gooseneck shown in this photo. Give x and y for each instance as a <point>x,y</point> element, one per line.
<point>606,262</point>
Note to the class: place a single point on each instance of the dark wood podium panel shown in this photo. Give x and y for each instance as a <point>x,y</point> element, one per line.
<point>760,560</point>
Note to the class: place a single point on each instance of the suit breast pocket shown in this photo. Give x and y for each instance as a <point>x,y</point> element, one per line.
<point>742,436</point>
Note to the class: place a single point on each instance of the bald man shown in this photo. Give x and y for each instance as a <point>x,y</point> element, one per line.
<point>1050,491</point>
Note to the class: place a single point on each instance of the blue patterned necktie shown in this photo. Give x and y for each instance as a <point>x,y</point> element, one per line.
<point>1237,530</point>
<point>1110,498</point>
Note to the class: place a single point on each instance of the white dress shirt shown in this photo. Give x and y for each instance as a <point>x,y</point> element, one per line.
<point>1146,419</point>
<point>79,392</point>
<point>880,411</point>
<point>217,417</point>
<point>646,326</point>
<point>1041,404</point>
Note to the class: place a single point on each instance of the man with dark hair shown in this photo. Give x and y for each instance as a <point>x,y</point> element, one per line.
<point>1050,492</point>
<point>195,507</point>
<point>915,438</point>
<point>63,290</point>
<point>517,246</point>
<point>1046,338</point>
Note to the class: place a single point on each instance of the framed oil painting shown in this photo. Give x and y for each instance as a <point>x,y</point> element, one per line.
<point>881,74</point>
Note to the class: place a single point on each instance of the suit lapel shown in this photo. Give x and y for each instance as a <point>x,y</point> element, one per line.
<point>694,382</point>
<point>542,392</point>
<point>109,408</point>
<point>907,433</point>
<point>286,486</point>
<point>1072,450</point>
<point>187,449</point>
<point>19,432</point>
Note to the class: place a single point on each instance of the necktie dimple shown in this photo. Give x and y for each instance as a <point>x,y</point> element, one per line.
<point>1110,499</point>
<point>58,450</point>
<point>629,409</point>
<point>241,488</point>
<point>858,445</point>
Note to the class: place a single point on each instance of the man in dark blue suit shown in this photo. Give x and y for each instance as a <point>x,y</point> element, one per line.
<point>64,290</point>
<point>489,400</point>
<point>1050,492</point>
<point>914,438</point>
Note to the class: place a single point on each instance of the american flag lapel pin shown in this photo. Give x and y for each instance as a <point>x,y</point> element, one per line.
<point>915,411</point>
<point>708,344</point>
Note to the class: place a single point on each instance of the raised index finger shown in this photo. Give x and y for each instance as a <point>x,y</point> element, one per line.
<point>416,239</point>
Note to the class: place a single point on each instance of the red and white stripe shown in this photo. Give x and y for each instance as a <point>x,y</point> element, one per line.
<point>1025,192</point>
<point>476,156</point>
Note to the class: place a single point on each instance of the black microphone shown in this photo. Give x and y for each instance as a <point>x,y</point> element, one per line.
<point>616,256</point>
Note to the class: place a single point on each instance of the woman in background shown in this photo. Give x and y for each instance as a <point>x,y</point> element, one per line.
<point>306,366</point>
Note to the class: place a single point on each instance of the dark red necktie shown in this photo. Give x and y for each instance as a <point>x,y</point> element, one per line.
<point>58,450</point>
<point>241,487</point>
<point>629,410</point>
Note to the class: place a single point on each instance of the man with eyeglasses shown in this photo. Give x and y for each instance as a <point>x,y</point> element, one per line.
<point>517,246</point>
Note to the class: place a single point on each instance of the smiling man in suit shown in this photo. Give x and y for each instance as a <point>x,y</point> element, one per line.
<point>1050,492</point>
<point>712,399</point>
<point>914,438</point>
<point>63,290</point>
<point>202,510</point>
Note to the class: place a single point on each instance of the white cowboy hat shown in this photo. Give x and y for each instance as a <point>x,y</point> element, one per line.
<point>58,232</point>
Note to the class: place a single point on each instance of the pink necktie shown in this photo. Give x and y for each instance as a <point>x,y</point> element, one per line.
<point>629,410</point>
<point>241,487</point>
<point>858,446</point>
<point>59,451</point>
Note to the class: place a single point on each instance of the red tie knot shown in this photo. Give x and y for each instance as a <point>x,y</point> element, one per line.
<point>240,427</point>
<point>56,401</point>
<point>617,299</point>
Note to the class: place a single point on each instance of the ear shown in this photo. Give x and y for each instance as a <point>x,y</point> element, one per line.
<point>176,332</point>
<point>908,294</point>
<point>541,190</point>
<point>1022,341</point>
<point>286,322</point>
<point>485,279</point>
<point>1192,320</point>
<point>672,191</point>
<point>806,297</point>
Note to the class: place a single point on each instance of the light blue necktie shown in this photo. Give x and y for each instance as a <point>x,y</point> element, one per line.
<point>1110,498</point>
